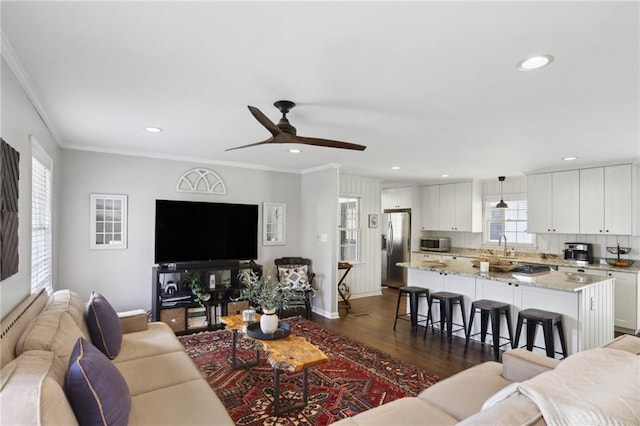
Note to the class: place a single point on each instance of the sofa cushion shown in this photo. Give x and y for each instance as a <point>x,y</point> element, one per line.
<point>519,365</point>
<point>32,391</point>
<point>69,301</point>
<point>104,325</point>
<point>53,331</point>
<point>463,394</point>
<point>190,403</point>
<point>142,374</point>
<point>157,339</point>
<point>403,411</point>
<point>96,390</point>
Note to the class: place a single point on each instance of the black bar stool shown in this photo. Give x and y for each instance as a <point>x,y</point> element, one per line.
<point>547,319</point>
<point>490,309</point>
<point>447,301</point>
<point>413,293</point>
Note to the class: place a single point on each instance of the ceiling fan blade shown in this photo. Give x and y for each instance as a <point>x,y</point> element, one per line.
<point>251,144</point>
<point>327,143</point>
<point>264,120</point>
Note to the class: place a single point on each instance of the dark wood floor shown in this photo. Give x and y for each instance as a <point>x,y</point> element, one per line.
<point>370,321</point>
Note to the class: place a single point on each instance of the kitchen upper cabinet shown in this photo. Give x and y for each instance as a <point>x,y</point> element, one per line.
<point>618,196</point>
<point>452,207</point>
<point>605,200</point>
<point>553,202</point>
<point>431,207</point>
<point>396,198</point>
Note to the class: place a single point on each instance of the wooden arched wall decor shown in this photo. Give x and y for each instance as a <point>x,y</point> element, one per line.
<point>9,175</point>
<point>201,180</point>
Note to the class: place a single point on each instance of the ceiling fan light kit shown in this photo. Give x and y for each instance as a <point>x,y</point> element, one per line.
<point>284,132</point>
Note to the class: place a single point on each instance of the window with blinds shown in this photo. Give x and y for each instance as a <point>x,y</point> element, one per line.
<point>41,272</point>
<point>510,222</point>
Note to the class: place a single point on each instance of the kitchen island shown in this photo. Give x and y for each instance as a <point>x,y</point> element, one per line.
<point>585,301</point>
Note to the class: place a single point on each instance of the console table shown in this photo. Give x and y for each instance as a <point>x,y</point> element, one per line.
<point>291,353</point>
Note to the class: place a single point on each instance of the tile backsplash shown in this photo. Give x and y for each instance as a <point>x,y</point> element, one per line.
<point>550,243</point>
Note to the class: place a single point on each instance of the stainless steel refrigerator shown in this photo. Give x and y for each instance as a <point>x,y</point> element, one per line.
<point>396,247</point>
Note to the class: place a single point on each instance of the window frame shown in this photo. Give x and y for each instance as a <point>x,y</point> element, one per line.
<point>94,244</point>
<point>44,279</point>
<point>356,231</point>
<point>489,200</point>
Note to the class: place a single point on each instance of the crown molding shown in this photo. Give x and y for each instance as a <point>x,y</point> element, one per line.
<point>159,156</point>
<point>21,75</point>
<point>321,167</point>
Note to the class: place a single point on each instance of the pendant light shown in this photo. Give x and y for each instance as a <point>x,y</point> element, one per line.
<point>501,204</point>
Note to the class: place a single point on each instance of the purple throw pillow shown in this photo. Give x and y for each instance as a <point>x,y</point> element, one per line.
<point>104,325</point>
<point>96,390</point>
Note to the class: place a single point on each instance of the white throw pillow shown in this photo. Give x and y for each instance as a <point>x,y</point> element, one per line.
<point>295,278</point>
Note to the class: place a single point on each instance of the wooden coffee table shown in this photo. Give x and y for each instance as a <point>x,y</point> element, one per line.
<point>291,353</point>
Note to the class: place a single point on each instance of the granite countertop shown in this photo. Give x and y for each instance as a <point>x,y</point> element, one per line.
<point>564,281</point>
<point>537,258</point>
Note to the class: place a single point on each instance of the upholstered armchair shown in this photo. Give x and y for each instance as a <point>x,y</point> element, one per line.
<point>296,273</point>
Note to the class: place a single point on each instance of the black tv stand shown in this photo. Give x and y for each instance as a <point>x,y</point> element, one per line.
<point>172,300</point>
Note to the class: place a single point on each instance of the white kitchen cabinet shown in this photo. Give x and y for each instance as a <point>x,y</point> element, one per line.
<point>627,301</point>
<point>605,200</point>
<point>452,207</point>
<point>431,207</point>
<point>618,196</point>
<point>500,291</point>
<point>396,198</point>
<point>553,202</point>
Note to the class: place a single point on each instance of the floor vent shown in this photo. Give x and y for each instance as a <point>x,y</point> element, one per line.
<point>363,314</point>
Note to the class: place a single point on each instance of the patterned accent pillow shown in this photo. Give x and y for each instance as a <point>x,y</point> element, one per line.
<point>95,388</point>
<point>294,277</point>
<point>104,325</point>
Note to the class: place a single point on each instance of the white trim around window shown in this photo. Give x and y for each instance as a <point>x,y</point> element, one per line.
<point>511,222</point>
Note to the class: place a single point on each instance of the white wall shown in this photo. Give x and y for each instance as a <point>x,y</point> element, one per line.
<point>124,276</point>
<point>319,236</point>
<point>19,121</point>
<point>364,279</point>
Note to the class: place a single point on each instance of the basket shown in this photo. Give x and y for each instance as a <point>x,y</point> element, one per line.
<point>496,267</point>
<point>623,263</point>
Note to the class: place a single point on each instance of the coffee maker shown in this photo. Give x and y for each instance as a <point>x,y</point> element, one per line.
<point>578,253</point>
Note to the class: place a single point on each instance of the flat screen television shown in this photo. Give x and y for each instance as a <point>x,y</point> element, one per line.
<point>191,231</point>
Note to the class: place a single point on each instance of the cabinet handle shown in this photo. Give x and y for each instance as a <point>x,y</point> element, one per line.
<point>581,270</point>
<point>508,283</point>
<point>607,230</point>
<point>517,285</point>
<point>554,230</point>
<point>548,230</point>
<point>600,230</point>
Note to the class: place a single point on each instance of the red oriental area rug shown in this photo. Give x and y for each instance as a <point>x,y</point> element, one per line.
<point>356,378</point>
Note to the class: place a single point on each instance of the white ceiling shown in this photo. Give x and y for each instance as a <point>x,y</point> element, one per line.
<point>428,86</point>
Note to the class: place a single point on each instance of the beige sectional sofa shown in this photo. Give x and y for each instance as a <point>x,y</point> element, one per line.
<point>598,386</point>
<point>36,343</point>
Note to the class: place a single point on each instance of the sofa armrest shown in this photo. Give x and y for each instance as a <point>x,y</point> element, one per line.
<point>519,365</point>
<point>133,321</point>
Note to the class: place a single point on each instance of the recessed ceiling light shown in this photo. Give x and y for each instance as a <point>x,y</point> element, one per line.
<point>535,62</point>
<point>570,158</point>
<point>395,168</point>
<point>294,151</point>
<point>444,175</point>
<point>153,129</point>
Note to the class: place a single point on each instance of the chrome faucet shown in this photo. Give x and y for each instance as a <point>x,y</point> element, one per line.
<point>505,243</point>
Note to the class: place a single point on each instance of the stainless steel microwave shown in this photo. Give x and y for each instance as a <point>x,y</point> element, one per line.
<point>435,244</point>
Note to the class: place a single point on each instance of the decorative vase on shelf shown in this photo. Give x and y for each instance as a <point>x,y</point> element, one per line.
<point>269,321</point>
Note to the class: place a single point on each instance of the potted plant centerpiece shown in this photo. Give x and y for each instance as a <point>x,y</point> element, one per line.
<point>269,295</point>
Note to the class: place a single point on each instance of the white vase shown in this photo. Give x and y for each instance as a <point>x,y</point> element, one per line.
<point>269,321</point>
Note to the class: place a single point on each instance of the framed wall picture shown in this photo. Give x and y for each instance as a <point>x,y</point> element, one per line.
<point>373,220</point>
<point>108,221</point>
<point>274,221</point>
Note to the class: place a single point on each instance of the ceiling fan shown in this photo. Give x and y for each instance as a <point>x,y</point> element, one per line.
<point>284,132</point>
